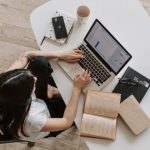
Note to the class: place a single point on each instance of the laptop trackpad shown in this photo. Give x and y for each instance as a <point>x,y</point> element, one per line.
<point>76,69</point>
<point>72,69</point>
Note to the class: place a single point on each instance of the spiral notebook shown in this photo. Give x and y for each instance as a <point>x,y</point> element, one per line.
<point>69,22</point>
<point>138,91</point>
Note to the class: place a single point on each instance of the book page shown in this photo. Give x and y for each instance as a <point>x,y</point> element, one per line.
<point>97,126</point>
<point>102,104</point>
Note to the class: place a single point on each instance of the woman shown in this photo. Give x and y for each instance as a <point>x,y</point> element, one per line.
<point>23,113</point>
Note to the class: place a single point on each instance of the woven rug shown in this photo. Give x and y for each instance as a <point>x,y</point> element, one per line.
<point>67,140</point>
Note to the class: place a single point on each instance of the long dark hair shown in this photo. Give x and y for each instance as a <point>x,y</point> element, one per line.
<point>16,87</point>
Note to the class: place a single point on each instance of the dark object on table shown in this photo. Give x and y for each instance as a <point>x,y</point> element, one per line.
<point>132,83</point>
<point>59,27</point>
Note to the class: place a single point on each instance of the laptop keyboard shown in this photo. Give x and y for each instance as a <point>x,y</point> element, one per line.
<point>98,72</point>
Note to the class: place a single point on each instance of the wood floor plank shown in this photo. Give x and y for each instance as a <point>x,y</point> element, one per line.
<point>1,27</point>
<point>14,17</point>
<point>9,53</point>
<point>17,35</point>
<point>26,5</point>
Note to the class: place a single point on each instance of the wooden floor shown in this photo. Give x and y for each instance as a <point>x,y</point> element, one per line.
<point>14,21</point>
<point>16,35</point>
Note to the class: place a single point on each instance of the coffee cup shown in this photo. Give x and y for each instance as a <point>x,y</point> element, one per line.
<point>83,13</point>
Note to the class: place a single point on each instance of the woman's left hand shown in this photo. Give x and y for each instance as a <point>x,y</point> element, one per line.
<point>71,55</point>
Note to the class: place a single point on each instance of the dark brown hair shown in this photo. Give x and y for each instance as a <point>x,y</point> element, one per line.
<point>16,87</point>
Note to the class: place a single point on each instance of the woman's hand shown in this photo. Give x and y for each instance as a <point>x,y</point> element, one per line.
<point>57,124</point>
<point>82,79</point>
<point>71,55</point>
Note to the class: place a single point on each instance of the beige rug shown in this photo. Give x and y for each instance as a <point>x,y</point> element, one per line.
<point>68,140</point>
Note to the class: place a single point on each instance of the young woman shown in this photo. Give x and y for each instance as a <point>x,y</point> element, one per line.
<point>24,94</point>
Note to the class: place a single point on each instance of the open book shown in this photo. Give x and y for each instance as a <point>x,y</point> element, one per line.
<point>100,114</point>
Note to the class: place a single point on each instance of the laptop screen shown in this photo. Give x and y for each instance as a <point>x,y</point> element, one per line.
<point>107,47</point>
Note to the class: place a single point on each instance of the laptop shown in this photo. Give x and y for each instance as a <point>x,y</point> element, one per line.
<point>104,57</point>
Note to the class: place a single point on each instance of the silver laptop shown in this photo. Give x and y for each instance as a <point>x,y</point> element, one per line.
<point>104,57</point>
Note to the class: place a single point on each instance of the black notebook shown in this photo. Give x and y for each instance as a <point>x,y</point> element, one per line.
<point>132,83</point>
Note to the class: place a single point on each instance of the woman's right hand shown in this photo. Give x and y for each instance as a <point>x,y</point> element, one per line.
<point>71,56</point>
<point>82,79</point>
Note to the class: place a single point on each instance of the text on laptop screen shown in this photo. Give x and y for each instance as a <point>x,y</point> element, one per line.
<point>107,47</point>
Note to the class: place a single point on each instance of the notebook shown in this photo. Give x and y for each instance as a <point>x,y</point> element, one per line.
<point>100,115</point>
<point>104,57</point>
<point>138,91</point>
<point>69,22</point>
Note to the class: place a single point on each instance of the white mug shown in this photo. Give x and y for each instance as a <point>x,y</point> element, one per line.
<point>83,13</point>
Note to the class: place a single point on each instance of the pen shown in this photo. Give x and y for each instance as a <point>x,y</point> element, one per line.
<point>43,40</point>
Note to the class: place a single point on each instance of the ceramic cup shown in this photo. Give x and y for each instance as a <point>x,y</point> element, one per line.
<point>83,13</point>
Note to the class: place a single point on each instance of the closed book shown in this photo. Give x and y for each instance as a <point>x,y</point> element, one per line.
<point>133,115</point>
<point>126,89</point>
